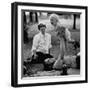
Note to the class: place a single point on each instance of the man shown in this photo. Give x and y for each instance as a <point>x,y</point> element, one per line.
<point>40,48</point>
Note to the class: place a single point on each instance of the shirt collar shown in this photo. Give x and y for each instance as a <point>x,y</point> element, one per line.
<point>42,34</point>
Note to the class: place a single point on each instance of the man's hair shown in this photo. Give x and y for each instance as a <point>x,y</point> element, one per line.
<point>54,16</point>
<point>41,25</point>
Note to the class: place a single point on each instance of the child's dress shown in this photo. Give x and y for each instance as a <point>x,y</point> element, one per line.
<point>63,35</point>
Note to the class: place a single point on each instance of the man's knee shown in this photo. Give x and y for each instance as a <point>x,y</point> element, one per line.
<point>49,60</point>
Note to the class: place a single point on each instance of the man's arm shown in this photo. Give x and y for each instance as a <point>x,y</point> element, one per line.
<point>35,45</point>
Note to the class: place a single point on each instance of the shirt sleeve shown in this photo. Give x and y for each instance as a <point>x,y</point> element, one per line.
<point>48,46</point>
<point>68,34</point>
<point>35,43</point>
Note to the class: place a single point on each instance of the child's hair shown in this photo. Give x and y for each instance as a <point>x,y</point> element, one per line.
<point>61,32</point>
<point>41,25</point>
<point>54,16</point>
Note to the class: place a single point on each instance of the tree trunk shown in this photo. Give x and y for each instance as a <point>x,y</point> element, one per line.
<point>24,16</point>
<point>74,22</point>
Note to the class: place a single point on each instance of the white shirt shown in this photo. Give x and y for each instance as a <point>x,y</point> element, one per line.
<point>42,42</point>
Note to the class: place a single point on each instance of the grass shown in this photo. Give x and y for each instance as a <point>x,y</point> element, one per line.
<point>33,30</point>
<point>75,34</point>
<point>55,44</point>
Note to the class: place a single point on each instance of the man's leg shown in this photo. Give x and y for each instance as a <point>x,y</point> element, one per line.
<point>41,57</point>
<point>60,60</point>
<point>48,62</point>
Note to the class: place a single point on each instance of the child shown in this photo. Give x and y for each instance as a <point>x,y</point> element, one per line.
<point>64,36</point>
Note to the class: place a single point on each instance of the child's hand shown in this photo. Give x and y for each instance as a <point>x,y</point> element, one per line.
<point>71,41</point>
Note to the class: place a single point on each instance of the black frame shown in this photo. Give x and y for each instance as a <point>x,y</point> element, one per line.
<point>14,43</point>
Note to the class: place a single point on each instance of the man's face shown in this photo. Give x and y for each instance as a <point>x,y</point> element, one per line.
<point>42,29</point>
<point>53,21</point>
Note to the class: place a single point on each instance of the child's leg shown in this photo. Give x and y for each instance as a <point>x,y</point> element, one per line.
<point>59,62</point>
<point>62,49</point>
<point>48,62</point>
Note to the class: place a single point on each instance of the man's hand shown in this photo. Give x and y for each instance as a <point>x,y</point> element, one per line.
<point>35,56</point>
<point>50,60</point>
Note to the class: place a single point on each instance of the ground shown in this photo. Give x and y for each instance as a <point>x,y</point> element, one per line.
<point>75,34</point>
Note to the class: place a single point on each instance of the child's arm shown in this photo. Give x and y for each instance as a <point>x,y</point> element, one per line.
<point>68,36</point>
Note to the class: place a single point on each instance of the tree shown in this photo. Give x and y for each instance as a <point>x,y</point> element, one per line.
<point>33,17</point>
<point>74,21</point>
<point>24,18</point>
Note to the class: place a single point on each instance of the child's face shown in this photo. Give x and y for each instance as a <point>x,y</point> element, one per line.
<point>53,21</point>
<point>42,29</point>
